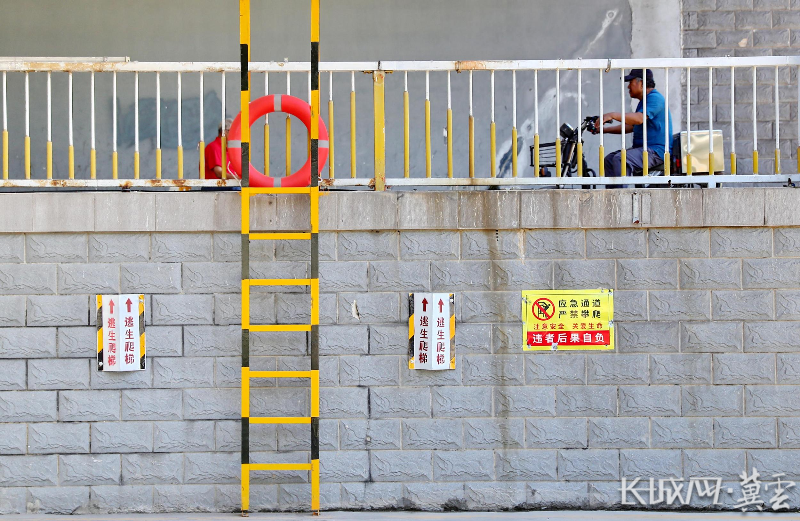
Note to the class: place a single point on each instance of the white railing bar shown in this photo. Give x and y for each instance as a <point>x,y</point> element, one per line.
<point>289,83</point>
<point>492,95</point>
<point>733,114</point>
<point>202,125</point>
<point>644,117</point>
<point>688,119</point>
<point>27,105</point>
<point>427,85</point>
<point>69,111</point>
<point>158,110</point>
<point>49,107</point>
<point>266,84</point>
<point>755,107</point>
<point>114,112</point>
<point>667,135</point>
<point>563,181</point>
<point>710,115</point>
<point>470,94</point>
<point>580,104</point>
<point>118,183</point>
<point>180,112</point>
<point>623,111</point>
<point>5,102</point>
<point>222,120</point>
<point>402,182</point>
<point>600,121</point>
<point>535,102</point>
<point>352,81</point>
<point>514,105</point>
<point>63,59</point>
<point>558,104</point>
<point>91,110</point>
<point>399,66</point>
<point>136,112</point>
<point>777,119</point>
<point>449,93</point>
<point>330,85</point>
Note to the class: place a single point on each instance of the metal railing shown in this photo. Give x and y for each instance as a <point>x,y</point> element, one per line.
<point>753,84</point>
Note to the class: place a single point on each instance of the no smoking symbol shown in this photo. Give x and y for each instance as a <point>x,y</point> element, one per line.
<point>543,309</point>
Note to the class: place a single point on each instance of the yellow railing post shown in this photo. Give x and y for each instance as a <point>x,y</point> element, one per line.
<point>379,128</point>
<point>558,157</point>
<point>492,149</point>
<point>407,132</point>
<point>5,154</point>
<point>49,153</point>
<point>27,157</point>
<point>514,152</point>
<point>428,166</point>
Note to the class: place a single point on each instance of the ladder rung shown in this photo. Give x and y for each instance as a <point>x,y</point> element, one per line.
<point>279,282</point>
<point>280,419</point>
<point>278,328</point>
<point>279,190</point>
<point>279,466</point>
<point>277,236</point>
<point>280,374</point>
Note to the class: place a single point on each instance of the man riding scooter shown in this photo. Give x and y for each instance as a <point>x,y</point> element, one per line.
<point>633,123</point>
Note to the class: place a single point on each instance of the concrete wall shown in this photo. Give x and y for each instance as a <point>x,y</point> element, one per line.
<point>746,28</point>
<point>704,380</point>
<point>204,30</point>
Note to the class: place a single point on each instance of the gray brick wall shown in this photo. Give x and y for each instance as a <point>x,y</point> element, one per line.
<point>714,28</point>
<point>704,380</point>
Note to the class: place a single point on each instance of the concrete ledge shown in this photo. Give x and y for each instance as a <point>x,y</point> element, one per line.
<point>342,211</point>
<point>130,212</point>
<point>736,206</point>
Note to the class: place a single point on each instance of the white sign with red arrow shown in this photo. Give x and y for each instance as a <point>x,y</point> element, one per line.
<point>120,333</point>
<point>432,331</point>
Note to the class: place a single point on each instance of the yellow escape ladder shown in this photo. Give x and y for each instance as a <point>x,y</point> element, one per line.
<point>312,327</point>
<point>312,281</point>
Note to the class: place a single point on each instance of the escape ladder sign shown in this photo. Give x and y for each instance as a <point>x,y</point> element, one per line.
<point>120,333</point>
<point>431,331</point>
<point>568,320</point>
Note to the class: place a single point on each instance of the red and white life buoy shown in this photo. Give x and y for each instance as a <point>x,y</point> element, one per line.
<point>266,105</point>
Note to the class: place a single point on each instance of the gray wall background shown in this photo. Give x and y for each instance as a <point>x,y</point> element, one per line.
<point>704,380</point>
<point>352,30</point>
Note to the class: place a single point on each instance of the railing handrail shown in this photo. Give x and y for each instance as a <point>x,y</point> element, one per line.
<point>120,65</point>
<point>378,69</point>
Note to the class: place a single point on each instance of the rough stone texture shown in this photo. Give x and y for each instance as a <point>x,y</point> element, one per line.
<point>704,379</point>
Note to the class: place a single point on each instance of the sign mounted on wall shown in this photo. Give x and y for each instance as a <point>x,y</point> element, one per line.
<point>432,331</point>
<point>568,320</point>
<point>120,333</point>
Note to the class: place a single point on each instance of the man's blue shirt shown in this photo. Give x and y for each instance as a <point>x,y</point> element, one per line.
<point>655,124</point>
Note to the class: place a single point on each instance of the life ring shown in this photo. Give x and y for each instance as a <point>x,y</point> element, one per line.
<point>267,105</point>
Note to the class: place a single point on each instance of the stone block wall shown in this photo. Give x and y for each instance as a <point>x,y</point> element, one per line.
<point>704,380</point>
<point>714,28</point>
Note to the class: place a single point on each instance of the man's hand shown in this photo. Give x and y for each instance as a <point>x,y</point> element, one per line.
<point>608,117</point>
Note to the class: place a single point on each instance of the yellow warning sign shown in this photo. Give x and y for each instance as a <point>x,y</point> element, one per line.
<point>568,320</point>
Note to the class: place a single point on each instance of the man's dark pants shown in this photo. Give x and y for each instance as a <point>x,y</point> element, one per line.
<point>634,160</point>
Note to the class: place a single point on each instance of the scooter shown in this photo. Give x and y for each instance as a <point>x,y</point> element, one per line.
<point>569,151</point>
